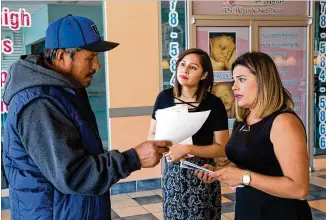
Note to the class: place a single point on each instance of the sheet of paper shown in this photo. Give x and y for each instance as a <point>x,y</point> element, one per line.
<point>178,108</point>
<point>188,165</point>
<point>237,186</point>
<point>176,125</point>
<point>188,141</point>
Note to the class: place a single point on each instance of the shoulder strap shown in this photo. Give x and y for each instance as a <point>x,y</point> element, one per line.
<point>188,103</point>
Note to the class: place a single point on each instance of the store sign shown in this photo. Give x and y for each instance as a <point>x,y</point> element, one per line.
<point>321,94</point>
<point>256,7</point>
<point>174,46</point>
<point>14,20</point>
<point>252,8</point>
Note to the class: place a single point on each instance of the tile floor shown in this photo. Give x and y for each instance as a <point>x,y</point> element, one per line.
<point>147,205</point>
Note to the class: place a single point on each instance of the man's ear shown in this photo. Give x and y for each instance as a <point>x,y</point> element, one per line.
<point>204,76</point>
<point>60,54</point>
<point>62,59</point>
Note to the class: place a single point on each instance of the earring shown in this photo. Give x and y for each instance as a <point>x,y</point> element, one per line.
<point>204,75</point>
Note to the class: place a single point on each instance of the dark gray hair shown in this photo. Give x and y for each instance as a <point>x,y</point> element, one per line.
<point>50,54</point>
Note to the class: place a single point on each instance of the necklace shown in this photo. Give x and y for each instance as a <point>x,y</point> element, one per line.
<point>187,96</point>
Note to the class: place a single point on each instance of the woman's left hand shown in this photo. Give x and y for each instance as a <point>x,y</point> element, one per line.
<point>177,152</point>
<point>231,176</point>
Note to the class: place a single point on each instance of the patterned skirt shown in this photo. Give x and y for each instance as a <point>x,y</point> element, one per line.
<point>185,197</point>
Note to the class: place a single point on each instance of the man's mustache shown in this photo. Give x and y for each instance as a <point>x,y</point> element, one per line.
<point>91,74</point>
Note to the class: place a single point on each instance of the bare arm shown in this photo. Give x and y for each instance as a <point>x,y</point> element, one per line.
<point>152,128</point>
<point>217,149</point>
<point>179,151</point>
<point>288,138</point>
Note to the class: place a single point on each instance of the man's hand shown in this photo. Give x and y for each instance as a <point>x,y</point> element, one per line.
<point>151,152</point>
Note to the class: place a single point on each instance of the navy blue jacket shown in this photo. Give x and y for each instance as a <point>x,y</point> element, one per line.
<point>53,156</point>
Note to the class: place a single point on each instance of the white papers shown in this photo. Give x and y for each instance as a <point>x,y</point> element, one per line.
<point>178,108</point>
<point>176,124</point>
<point>237,186</point>
<point>188,165</point>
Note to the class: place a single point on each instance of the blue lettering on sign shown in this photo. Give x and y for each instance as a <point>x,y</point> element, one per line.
<point>222,76</point>
<point>283,72</point>
<point>296,99</point>
<point>289,82</point>
<point>174,47</point>
<point>230,123</point>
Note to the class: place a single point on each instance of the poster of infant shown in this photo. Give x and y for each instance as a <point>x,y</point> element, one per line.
<point>222,50</point>
<point>224,45</point>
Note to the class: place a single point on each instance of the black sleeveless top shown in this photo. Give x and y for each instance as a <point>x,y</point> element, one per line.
<point>250,148</point>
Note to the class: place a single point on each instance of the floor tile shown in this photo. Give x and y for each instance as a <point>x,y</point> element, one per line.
<point>141,217</point>
<point>152,208</point>
<point>4,192</point>
<point>321,194</point>
<point>124,203</point>
<point>230,196</point>
<point>225,200</point>
<point>318,215</point>
<point>318,181</point>
<point>318,173</point>
<point>229,215</point>
<point>159,215</point>
<point>114,214</point>
<point>119,197</point>
<point>312,198</point>
<point>226,189</point>
<point>158,192</point>
<point>148,199</point>
<point>313,187</point>
<point>5,217</point>
<point>320,163</point>
<point>5,212</point>
<point>141,194</point>
<point>224,218</point>
<point>322,176</point>
<point>228,207</point>
<point>319,204</point>
<point>130,211</point>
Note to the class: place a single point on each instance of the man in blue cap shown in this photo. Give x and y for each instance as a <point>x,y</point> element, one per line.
<point>53,156</point>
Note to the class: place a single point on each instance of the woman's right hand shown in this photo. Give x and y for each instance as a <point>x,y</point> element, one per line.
<point>202,175</point>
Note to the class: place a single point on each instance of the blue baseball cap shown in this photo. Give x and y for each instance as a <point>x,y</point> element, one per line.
<point>76,31</point>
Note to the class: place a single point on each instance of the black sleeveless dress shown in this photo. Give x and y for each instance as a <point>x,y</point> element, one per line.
<point>185,197</point>
<point>251,148</point>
